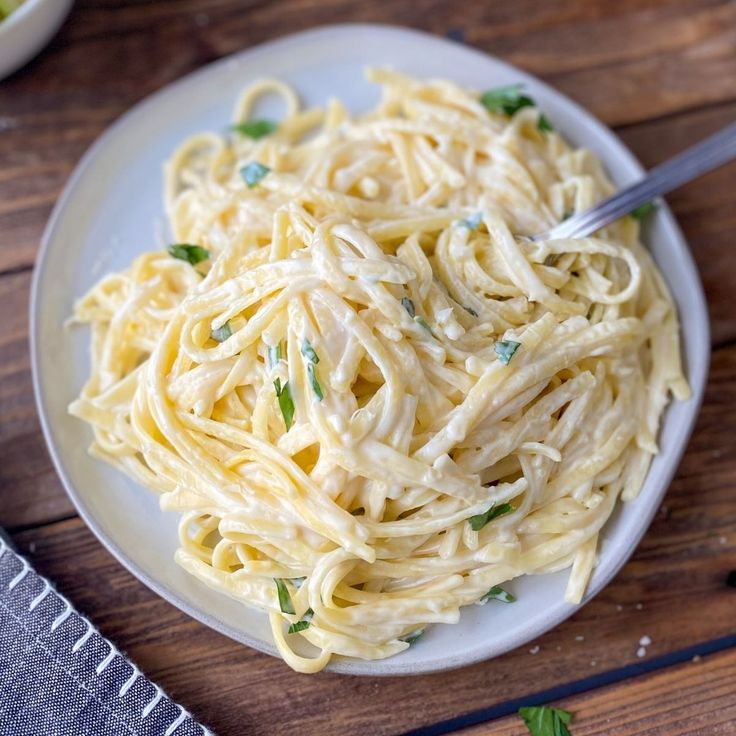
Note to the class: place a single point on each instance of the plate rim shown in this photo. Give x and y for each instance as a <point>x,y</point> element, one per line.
<point>385,667</point>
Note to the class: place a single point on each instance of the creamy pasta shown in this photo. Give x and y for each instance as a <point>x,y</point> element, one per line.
<point>370,396</point>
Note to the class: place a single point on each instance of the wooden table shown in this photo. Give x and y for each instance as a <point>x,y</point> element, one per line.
<point>663,73</point>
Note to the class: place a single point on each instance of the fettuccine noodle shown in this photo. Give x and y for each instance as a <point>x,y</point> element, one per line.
<point>372,400</point>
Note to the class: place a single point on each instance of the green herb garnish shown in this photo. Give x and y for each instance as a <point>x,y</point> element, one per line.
<point>255,129</point>
<point>193,254</point>
<point>408,304</point>
<point>286,403</point>
<point>506,100</point>
<point>543,720</point>
<point>423,323</point>
<point>411,639</point>
<point>303,624</point>
<point>308,352</point>
<point>643,210</point>
<point>567,214</point>
<point>497,593</point>
<point>505,349</point>
<point>285,603</point>
<point>471,311</point>
<point>472,222</point>
<point>544,124</point>
<point>315,383</point>
<point>274,355</point>
<point>478,521</point>
<point>222,333</point>
<point>253,172</point>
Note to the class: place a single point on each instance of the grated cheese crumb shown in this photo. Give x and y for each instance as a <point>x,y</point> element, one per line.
<point>641,652</point>
<point>645,641</point>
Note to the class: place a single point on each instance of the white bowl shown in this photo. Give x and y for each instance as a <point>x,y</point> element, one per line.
<point>27,30</point>
<point>108,214</point>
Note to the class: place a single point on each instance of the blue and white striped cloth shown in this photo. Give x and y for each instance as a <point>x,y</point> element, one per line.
<point>60,677</point>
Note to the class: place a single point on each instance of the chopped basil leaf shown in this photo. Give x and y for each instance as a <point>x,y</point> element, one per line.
<point>274,355</point>
<point>193,254</point>
<point>222,333</point>
<point>315,383</point>
<point>303,624</point>
<point>543,720</point>
<point>643,210</point>
<point>423,323</point>
<point>285,603</point>
<point>286,403</point>
<point>472,222</point>
<point>506,100</point>
<point>308,352</point>
<point>478,521</point>
<point>567,214</point>
<point>408,304</point>
<point>253,172</point>
<point>255,129</point>
<point>505,349</point>
<point>497,593</point>
<point>544,124</point>
<point>411,639</point>
<point>470,310</point>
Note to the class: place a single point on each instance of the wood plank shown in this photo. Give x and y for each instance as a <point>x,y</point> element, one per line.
<point>31,490</point>
<point>678,56</point>
<point>694,698</point>
<point>704,208</point>
<point>684,559</point>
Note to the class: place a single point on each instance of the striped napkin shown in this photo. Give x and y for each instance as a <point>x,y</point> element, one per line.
<point>60,677</point>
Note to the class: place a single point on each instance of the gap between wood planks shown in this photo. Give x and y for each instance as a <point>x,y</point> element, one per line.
<point>15,270</point>
<point>576,687</point>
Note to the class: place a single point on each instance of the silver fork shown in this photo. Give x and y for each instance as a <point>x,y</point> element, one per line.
<point>718,149</point>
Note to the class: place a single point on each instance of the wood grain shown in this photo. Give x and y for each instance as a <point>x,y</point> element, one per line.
<point>693,698</point>
<point>662,72</point>
<point>684,559</point>
<point>31,490</point>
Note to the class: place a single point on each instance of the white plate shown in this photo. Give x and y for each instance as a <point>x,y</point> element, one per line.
<point>108,214</point>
